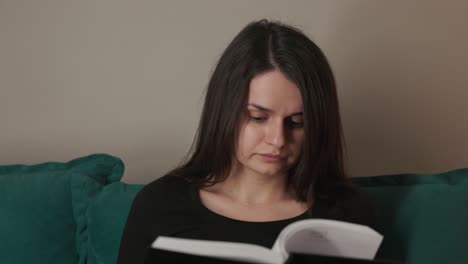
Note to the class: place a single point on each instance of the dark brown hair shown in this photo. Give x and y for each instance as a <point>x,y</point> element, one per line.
<point>260,47</point>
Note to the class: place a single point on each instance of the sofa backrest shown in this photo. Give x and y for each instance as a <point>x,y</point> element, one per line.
<point>423,217</point>
<point>75,212</point>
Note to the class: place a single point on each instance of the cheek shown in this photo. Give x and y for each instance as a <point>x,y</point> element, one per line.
<point>298,141</point>
<point>249,138</point>
<point>301,138</point>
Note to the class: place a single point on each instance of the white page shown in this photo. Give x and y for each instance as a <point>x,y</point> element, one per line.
<point>226,250</point>
<point>328,237</point>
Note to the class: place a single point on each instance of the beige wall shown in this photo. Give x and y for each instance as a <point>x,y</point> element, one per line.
<point>126,78</point>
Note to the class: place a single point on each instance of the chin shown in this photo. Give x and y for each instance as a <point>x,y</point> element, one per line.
<point>269,170</point>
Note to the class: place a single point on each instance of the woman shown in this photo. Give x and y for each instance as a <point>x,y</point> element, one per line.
<point>268,151</point>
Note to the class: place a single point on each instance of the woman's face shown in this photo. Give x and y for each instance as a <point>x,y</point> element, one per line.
<point>271,135</point>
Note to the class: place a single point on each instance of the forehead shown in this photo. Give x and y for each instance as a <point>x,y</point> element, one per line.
<point>273,90</point>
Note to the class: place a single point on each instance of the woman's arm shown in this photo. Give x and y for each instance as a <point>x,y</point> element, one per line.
<point>137,236</point>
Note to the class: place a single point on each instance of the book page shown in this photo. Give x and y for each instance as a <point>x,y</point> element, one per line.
<point>328,237</point>
<point>227,250</point>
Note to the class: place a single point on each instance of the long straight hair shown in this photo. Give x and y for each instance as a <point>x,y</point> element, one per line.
<point>260,47</point>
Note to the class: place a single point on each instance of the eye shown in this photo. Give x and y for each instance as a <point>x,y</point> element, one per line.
<point>298,123</point>
<point>258,119</point>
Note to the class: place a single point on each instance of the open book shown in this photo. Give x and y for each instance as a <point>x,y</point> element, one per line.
<point>311,237</point>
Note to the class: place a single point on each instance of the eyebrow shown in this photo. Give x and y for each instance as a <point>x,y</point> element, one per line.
<point>264,109</point>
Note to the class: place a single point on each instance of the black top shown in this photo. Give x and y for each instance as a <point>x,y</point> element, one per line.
<point>170,206</point>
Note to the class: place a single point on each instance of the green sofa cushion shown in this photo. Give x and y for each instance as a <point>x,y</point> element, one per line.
<point>107,217</point>
<point>38,207</point>
<point>94,175</point>
<point>75,212</point>
<point>423,216</point>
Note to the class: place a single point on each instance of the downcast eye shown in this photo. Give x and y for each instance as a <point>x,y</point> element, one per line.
<point>295,122</point>
<point>258,119</point>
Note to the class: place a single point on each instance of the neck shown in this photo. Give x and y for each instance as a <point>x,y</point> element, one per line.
<point>250,188</point>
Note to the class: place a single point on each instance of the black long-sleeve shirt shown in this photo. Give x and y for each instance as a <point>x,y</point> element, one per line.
<point>170,206</point>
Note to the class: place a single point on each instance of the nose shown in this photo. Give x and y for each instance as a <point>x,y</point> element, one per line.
<point>275,134</point>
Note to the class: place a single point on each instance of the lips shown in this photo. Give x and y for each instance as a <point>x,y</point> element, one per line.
<point>272,156</point>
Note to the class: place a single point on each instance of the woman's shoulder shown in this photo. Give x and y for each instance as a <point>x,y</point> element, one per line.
<point>164,189</point>
<point>356,199</point>
<point>166,181</point>
<point>351,204</point>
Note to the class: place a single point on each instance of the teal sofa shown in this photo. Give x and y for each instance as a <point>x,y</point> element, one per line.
<point>74,212</point>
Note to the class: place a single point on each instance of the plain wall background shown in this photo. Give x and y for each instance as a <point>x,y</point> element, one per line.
<point>127,78</point>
